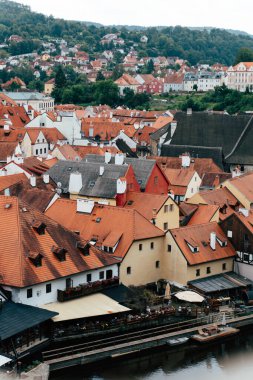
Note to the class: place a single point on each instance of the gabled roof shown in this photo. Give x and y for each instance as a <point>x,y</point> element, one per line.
<point>68,152</point>
<point>9,180</point>
<point>200,234</point>
<point>162,121</point>
<point>142,167</point>
<point>7,149</point>
<point>200,165</point>
<point>244,184</point>
<point>96,185</point>
<point>145,203</point>
<point>104,221</point>
<point>212,180</point>
<point>18,237</point>
<point>203,214</point>
<point>214,153</point>
<point>203,129</point>
<point>126,80</point>
<point>178,177</point>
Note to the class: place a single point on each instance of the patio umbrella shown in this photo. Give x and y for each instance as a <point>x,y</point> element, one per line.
<point>167,294</point>
<point>223,322</point>
<point>189,296</point>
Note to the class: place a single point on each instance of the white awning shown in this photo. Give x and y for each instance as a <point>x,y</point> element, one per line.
<point>84,307</point>
<point>4,360</point>
<point>189,296</point>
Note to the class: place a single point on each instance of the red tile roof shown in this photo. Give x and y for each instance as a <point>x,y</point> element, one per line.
<point>200,234</point>
<point>104,221</point>
<point>19,239</point>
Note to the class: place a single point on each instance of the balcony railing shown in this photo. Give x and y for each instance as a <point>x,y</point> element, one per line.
<point>86,289</point>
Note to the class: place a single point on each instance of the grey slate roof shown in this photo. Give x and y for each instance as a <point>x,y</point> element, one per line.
<point>142,167</point>
<point>203,129</point>
<point>220,282</point>
<point>104,186</point>
<point>26,95</point>
<point>160,132</point>
<point>195,151</point>
<point>16,317</point>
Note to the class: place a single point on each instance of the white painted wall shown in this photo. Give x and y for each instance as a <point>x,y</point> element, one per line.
<point>40,297</point>
<point>12,168</point>
<point>193,186</point>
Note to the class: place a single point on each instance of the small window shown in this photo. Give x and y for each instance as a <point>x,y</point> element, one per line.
<point>169,248</point>
<point>101,275</point>
<point>41,151</point>
<point>197,272</point>
<point>224,266</point>
<point>152,245</point>
<point>166,208</point>
<point>29,293</point>
<point>165,226</point>
<point>208,270</point>
<point>88,277</point>
<point>45,150</point>
<point>48,288</point>
<point>36,152</point>
<point>156,180</point>
<point>128,270</point>
<point>171,208</point>
<point>157,264</point>
<point>140,247</point>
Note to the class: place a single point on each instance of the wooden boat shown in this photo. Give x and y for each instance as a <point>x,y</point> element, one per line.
<point>177,341</point>
<point>212,333</point>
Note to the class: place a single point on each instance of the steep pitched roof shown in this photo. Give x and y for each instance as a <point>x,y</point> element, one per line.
<point>203,129</point>
<point>96,185</point>
<point>7,149</point>
<point>200,165</point>
<point>104,223</point>
<point>214,153</point>
<point>244,184</point>
<point>145,203</point>
<point>19,240</point>
<point>10,180</point>
<point>200,235</point>
<point>142,167</point>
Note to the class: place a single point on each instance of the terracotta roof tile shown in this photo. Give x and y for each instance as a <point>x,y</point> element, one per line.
<point>200,234</point>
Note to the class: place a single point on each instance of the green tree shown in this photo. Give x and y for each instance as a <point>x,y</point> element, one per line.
<point>244,55</point>
<point>60,78</point>
<point>100,76</point>
<point>106,92</point>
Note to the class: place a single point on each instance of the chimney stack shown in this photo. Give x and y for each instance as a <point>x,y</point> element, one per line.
<point>119,159</point>
<point>213,240</point>
<point>101,170</point>
<point>108,157</point>
<point>121,185</point>
<point>46,178</point>
<point>33,181</point>
<point>75,182</point>
<point>186,160</point>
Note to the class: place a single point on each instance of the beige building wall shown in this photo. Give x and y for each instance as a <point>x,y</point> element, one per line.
<point>168,213</point>
<point>48,88</point>
<point>177,269</point>
<point>197,199</point>
<point>26,146</point>
<point>143,263</point>
<point>215,267</point>
<point>216,217</point>
<point>56,153</point>
<point>193,186</point>
<point>110,202</point>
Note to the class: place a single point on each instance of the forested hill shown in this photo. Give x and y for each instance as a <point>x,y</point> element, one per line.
<point>193,45</point>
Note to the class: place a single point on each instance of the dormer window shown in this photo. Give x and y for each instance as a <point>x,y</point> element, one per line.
<point>192,245</point>
<point>84,248</point>
<point>222,241</point>
<point>35,258</point>
<point>40,227</point>
<point>59,252</point>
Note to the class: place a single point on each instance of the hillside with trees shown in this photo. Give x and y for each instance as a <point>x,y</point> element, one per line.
<point>205,45</point>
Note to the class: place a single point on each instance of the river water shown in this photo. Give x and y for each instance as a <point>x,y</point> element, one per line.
<point>231,360</point>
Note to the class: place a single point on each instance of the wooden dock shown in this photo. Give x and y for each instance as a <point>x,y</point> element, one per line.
<point>123,344</point>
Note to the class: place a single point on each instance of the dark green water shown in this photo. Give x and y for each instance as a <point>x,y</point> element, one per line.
<point>232,360</point>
